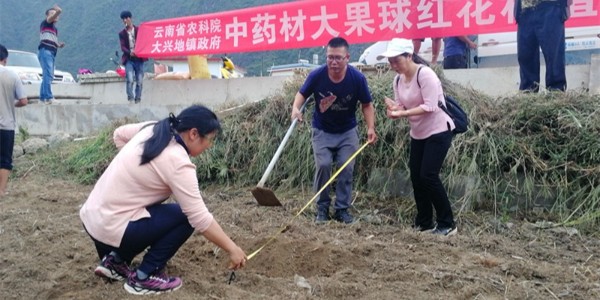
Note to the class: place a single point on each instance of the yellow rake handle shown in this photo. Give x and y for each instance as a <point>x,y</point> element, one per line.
<point>284,228</point>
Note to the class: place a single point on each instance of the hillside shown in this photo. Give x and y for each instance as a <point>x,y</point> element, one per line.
<point>89,29</point>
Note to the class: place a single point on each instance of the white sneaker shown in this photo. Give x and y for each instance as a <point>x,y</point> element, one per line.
<point>448,231</point>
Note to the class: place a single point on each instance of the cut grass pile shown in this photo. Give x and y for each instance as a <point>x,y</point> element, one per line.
<point>522,153</point>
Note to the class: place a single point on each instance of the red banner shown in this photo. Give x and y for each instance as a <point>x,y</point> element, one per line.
<point>312,23</point>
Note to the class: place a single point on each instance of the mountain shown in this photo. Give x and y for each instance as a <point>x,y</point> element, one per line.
<point>89,28</point>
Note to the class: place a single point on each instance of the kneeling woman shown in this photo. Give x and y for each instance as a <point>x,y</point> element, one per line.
<point>125,214</point>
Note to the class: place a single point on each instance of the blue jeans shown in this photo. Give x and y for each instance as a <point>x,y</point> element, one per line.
<point>134,74</point>
<point>426,159</point>
<point>46,58</point>
<point>327,148</point>
<point>542,27</point>
<point>162,234</point>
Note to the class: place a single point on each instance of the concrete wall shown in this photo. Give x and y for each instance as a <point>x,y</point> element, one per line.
<point>498,82</point>
<point>85,119</point>
<point>82,109</point>
<point>167,92</point>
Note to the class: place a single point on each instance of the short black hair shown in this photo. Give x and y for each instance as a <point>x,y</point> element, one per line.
<point>3,53</point>
<point>338,42</point>
<point>48,10</point>
<point>125,14</point>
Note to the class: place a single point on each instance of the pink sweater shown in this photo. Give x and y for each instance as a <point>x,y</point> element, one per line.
<point>126,188</point>
<point>409,95</point>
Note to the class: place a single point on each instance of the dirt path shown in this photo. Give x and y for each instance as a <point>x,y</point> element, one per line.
<point>46,255</point>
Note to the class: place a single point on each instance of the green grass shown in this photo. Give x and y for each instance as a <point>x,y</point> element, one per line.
<point>529,156</point>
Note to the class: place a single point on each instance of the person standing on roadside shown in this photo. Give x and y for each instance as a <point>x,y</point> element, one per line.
<point>134,65</point>
<point>47,49</point>
<point>337,89</point>
<point>541,24</point>
<point>456,53</point>
<point>12,94</point>
<point>436,45</point>
<point>417,92</point>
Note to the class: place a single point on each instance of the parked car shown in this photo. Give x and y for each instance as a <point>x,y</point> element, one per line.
<point>500,49</point>
<point>27,65</point>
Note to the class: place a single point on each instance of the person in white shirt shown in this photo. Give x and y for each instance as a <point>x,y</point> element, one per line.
<point>12,94</point>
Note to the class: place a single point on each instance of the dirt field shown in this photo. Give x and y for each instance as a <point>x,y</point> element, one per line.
<point>46,254</point>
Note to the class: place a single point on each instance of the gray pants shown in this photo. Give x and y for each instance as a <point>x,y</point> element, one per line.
<point>327,148</point>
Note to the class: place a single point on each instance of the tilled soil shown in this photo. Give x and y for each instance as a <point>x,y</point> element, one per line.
<point>47,255</point>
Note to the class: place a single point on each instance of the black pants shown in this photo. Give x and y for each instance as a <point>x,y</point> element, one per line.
<point>163,233</point>
<point>455,62</point>
<point>7,143</point>
<point>426,159</point>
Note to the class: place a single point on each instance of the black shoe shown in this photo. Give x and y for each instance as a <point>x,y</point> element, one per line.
<point>343,216</point>
<point>322,216</point>
<point>445,231</point>
<point>137,101</point>
<point>421,228</point>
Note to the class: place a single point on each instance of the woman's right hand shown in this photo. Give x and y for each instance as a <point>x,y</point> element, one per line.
<point>392,109</point>
<point>390,104</point>
<point>394,113</point>
<point>215,234</point>
<point>237,258</point>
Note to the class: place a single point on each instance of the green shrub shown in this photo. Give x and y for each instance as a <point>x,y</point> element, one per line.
<point>526,153</point>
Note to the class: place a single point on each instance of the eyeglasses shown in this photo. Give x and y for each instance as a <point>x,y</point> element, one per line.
<point>335,57</point>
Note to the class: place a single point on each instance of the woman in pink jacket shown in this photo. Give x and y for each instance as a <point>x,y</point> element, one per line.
<point>125,213</point>
<point>417,91</point>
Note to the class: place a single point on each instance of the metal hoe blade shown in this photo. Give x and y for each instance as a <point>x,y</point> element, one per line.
<point>265,197</point>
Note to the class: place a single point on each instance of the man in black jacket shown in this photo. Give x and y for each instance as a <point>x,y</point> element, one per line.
<point>134,65</point>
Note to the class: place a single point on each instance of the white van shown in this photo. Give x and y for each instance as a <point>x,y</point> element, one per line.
<point>500,49</point>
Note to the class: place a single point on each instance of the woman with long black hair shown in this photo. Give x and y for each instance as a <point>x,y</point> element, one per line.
<point>125,214</point>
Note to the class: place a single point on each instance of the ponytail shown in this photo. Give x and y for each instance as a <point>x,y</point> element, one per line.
<point>195,116</point>
<point>159,140</point>
<point>420,61</point>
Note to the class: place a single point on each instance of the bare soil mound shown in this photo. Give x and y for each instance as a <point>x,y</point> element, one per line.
<point>47,255</point>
